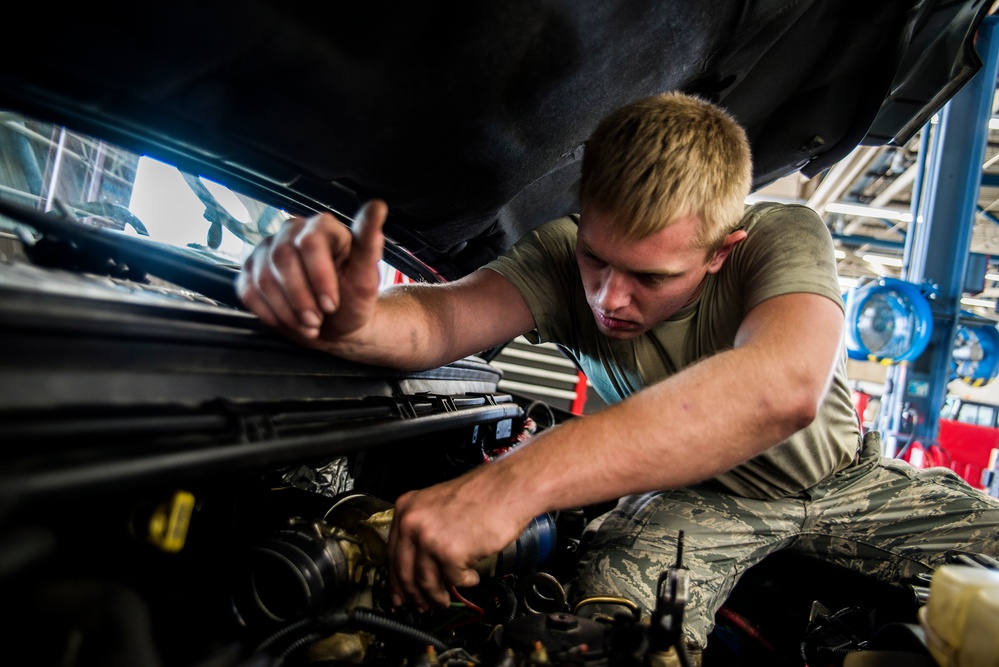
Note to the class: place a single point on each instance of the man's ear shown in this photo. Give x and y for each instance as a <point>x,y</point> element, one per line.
<point>721,253</point>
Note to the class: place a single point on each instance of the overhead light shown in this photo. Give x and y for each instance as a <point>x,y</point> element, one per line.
<point>840,254</point>
<point>869,211</point>
<point>882,260</point>
<point>992,276</point>
<point>984,303</point>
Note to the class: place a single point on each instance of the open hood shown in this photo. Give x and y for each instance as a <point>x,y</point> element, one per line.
<point>469,118</point>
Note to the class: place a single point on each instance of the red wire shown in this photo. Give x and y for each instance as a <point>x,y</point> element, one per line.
<point>479,613</point>
<point>745,626</point>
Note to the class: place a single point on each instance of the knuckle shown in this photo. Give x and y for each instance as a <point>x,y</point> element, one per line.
<point>314,241</point>
<point>283,255</point>
<point>288,230</point>
<point>266,281</point>
<point>408,523</point>
<point>425,579</point>
<point>327,220</point>
<point>316,223</point>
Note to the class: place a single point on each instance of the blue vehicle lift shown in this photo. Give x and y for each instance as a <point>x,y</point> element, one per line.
<point>937,248</point>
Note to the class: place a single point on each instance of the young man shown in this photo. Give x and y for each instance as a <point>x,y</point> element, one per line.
<point>715,330</point>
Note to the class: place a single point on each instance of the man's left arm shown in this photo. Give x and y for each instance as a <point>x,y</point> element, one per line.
<point>687,428</point>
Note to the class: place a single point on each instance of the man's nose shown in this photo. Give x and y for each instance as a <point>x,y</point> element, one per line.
<point>614,292</point>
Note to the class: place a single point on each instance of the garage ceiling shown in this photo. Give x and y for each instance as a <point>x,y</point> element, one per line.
<point>865,200</point>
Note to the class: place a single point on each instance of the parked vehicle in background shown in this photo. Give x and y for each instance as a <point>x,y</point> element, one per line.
<point>967,441</point>
<point>967,438</point>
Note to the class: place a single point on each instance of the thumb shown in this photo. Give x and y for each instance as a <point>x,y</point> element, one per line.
<point>369,241</point>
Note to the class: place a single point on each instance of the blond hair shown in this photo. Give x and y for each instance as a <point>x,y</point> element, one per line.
<point>664,158</point>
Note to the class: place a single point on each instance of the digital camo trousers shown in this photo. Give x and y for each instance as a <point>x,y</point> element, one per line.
<point>881,517</point>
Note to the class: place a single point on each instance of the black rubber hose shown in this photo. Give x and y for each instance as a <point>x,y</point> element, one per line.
<point>507,601</point>
<point>331,621</point>
<point>362,618</point>
<point>372,621</point>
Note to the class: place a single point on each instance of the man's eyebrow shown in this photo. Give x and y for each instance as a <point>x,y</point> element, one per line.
<point>666,273</point>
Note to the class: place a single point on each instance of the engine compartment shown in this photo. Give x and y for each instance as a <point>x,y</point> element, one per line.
<point>283,566</point>
<point>180,487</point>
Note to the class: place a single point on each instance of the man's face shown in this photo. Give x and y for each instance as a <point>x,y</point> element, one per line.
<point>631,286</point>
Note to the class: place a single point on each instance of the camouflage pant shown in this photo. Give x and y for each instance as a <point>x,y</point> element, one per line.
<point>880,516</point>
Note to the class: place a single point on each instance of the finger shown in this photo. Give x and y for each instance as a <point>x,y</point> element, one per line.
<point>395,560</point>
<point>284,283</point>
<point>430,586</point>
<point>369,240</point>
<point>261,293</point>
<point>253,300</point>
<point>323,239</point>
<point>402,556</point>
<point>271,281</point>
<point>462,577</point>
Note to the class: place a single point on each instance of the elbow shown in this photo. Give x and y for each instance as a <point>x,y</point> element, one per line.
<point>799,406</point>
<point>802,416</point>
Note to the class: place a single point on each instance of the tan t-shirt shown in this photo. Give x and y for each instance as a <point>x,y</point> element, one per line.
<point>788,249</point>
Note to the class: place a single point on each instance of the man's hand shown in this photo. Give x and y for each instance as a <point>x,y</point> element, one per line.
<point>439,535</point>
<point>315,275</point>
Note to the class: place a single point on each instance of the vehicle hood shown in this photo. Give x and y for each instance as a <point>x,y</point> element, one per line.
<point>469,118</point>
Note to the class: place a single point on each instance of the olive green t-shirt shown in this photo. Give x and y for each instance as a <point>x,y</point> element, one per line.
<point>787,249</point>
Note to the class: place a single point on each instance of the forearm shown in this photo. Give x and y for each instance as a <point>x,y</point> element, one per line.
<point>408,330</point>
<point>683,430</point>
<point>419,326</point>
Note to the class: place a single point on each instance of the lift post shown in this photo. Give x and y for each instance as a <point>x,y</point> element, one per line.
<point>938,245</point>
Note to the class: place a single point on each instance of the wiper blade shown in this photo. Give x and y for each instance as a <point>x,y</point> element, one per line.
<point>135,256</point>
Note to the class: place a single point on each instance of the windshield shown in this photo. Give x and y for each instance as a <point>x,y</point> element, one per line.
<point>68,176</point>
<point>52,169</point>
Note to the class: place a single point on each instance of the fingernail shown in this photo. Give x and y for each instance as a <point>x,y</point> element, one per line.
<point>309,332</point>
<point>326,303</point>
<point>310,318</point>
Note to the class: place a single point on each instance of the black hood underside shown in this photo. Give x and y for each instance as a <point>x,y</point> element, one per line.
<point>469,118</point>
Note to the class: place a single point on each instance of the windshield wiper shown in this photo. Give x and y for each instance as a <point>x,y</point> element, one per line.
<point>67,244</point>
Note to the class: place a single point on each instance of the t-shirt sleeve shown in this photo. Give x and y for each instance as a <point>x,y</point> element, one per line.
<point>542,267</point>
<point>788,250</point>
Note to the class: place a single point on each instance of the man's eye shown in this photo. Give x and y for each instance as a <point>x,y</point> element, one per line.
<point>592,259</point>
<point>653,279</point>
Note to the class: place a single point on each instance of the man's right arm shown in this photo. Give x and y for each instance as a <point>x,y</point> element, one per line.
<point>317,282</point>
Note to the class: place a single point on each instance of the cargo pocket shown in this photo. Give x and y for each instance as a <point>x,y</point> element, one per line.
<point>623,525</point>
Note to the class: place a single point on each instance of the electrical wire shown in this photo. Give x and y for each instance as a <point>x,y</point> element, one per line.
<point>478,612</point>
<point>745,626</point>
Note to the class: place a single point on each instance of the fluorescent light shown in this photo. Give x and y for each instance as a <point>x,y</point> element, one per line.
<point>869,211</point>
<point>992,276</point>
<point>882,260</point>
<point>984,303</point>
<point>839,254</point>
